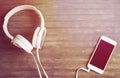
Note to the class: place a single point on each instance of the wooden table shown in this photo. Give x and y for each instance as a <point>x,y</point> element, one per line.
<point>73,28</point>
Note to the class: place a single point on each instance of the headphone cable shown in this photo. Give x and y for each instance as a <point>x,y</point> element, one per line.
<point>87,70</point>
<point>38,57</point>
<point>37,65</point>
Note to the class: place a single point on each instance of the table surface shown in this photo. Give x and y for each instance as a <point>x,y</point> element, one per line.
<point>73,29</point>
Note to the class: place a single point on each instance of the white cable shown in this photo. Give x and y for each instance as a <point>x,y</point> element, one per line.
<point>40,63</point>
<point>87,70</point>
<point>37,65</point>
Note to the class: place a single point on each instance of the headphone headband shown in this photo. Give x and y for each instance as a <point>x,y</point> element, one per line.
<point>17,9</point>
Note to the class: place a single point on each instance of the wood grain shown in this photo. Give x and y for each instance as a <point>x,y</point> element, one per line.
<point>73,28</point>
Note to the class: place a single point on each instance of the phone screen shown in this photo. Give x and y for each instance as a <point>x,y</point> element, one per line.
<point>102,54</point>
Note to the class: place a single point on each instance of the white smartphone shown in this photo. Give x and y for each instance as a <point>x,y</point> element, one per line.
<point>101,54</point>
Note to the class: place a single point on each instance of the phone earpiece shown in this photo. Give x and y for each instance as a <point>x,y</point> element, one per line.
<point>23,43</point>
<point>38,37</point>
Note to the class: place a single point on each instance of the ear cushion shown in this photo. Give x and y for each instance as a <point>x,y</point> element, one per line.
<point>23,43</point>
<point>38,37</point>
<point>34,40</point>
<point>41,37</point>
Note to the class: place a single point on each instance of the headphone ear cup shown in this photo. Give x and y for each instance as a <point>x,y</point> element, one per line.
<point>41,37</point>
<point>38,37</point>
<point>23,43</point>
<point>34,40</point>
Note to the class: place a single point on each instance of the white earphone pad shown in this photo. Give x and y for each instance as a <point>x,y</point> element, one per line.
<point>23,43</point>
<point>34,40</point>
<point>41,37</point>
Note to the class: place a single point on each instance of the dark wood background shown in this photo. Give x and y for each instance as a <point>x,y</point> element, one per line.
<point>73,28</point>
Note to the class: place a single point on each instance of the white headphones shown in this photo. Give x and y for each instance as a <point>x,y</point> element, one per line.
<point>19,40</point>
